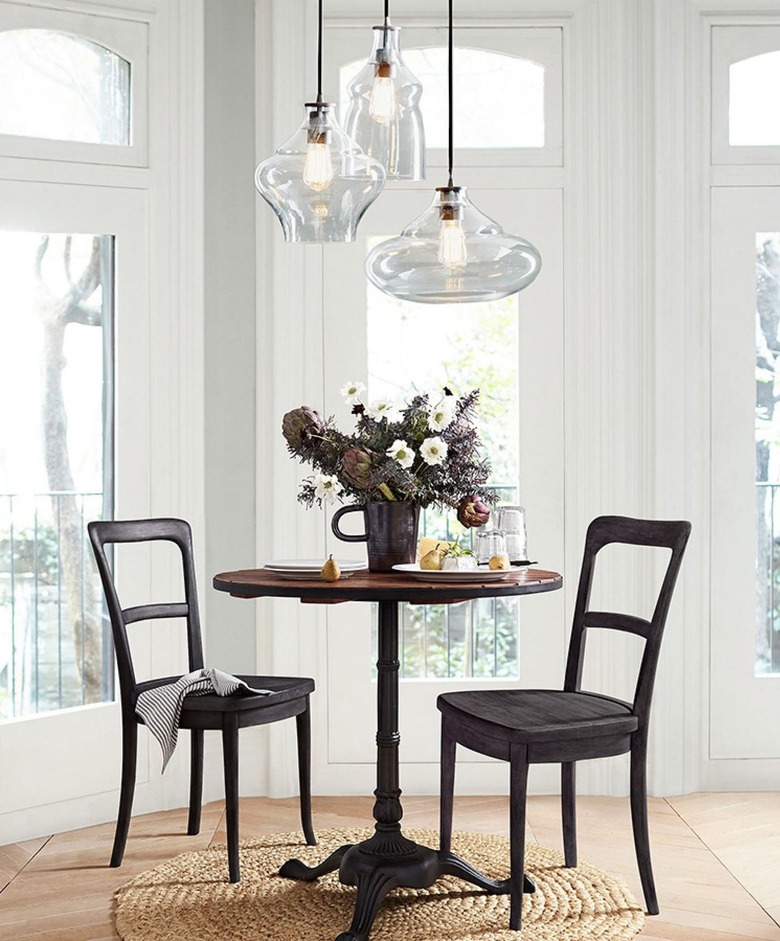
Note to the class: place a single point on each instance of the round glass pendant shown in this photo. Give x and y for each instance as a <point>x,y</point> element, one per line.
<point>384,109</point>
<point>452,253</point>
<point>319,182</point>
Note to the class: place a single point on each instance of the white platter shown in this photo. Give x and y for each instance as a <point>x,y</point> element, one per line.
<point>470,575</point>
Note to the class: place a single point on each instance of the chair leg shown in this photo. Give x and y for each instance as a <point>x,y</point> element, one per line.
<point>569,812</point>
<point>196,780</point>
<point>639,822</point>
<point>303,730</point>
<point>230,758</point>
<point>446,788</point>
<point>518,789</point>
<point>126,790</point>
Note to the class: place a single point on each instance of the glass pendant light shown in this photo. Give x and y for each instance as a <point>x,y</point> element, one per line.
<point>452,253</point>
<point>319,182</point>
<point>384,108</point>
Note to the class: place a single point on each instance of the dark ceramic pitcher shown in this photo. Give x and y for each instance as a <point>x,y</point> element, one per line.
<point>390,531</point>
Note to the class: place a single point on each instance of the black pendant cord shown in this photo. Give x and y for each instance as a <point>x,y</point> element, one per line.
<point>386,24</point>
<point>450,89</point>
<point>319,57</point>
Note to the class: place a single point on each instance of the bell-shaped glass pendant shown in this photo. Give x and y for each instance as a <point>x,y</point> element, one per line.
<point>452,253</point>
<point>319,182</point>
<point>384,109</point>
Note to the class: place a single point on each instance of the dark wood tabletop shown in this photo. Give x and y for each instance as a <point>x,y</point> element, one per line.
<point>382,586</point>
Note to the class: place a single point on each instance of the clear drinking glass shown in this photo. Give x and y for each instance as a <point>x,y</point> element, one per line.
<point>511,521</point>
<point>489,544</point>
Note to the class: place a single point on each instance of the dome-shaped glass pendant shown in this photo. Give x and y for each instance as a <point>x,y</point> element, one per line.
<point>319,182</point>
<point>384,109</point>
<point>452,253</point>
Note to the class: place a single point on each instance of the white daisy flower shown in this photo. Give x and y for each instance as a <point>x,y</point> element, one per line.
<point>441,416</point>
<point>327,488</point>
<point>352,392</point>
<point>401,451</point>
<point>433,451</point>
<point>382,408</point>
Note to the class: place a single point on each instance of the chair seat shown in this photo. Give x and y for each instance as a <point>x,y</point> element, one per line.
<point>538,715</point>
<point>283,689</point>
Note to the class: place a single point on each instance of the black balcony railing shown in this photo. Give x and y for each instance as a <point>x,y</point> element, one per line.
<point>55,649</point>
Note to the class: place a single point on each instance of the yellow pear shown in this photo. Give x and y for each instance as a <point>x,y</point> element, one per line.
<point>331,571</point>
<point>432,559</point>
<point>498,562</point>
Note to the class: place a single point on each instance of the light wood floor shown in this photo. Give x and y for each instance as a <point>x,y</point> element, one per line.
<point>716,856</point>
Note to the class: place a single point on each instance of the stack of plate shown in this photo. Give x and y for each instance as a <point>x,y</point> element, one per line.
<point>311,568</point>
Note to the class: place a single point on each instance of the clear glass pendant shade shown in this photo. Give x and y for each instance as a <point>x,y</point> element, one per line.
<point>319,182</point>
<point>384,109</point>
<point>452,253</point>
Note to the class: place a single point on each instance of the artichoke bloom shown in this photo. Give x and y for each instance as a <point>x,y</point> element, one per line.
<point>299,425</point>
<point>357,465</point>
<point>472,512</point>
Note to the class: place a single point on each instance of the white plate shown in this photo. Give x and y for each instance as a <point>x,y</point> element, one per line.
<point>433,575</point>
<point>310,565</point>
<point>310,574</point>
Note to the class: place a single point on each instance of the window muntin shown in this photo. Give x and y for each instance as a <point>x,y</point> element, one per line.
<point>62,87</point>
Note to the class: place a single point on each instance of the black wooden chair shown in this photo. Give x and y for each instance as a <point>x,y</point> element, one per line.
<point>536,726</point>
<point>289,696</point>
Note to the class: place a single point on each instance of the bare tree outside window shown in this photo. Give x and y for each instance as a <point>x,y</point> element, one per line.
<point>767,626</point>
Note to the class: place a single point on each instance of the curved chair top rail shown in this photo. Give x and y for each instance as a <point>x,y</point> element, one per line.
<point>604,531</point>
<point>177,531</point>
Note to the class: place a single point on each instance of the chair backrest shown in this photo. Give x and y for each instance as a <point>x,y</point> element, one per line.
<point>108,532</point>
<point>671,534</point>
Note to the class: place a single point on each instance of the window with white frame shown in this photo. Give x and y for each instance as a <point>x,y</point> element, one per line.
<point>67,97</point>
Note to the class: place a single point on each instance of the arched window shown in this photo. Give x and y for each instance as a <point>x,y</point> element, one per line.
<point>754,118</point>
<point>62,87</point>
<point>499,98</point>
<point>745,78</point>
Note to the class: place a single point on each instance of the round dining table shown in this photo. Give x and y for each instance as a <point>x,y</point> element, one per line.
<point>388,859</point>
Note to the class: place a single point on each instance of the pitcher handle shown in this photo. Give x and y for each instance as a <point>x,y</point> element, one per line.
<point>346,537</point>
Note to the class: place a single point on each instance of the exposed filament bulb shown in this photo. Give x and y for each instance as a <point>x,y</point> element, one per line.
<point>452,243</point>
<point>383,104</point>
<point>318,169</point>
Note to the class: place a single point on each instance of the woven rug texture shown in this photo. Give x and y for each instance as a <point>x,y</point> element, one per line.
<point>190,897</point>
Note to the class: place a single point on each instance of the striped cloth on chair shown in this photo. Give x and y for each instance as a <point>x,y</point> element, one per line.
<point>160,707</point>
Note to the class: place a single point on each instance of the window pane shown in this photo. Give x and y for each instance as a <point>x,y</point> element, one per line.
<point>61,87</point>
<point>462,346</point>
<point>754,118</point>
<point>767,452</point>
<point>499,99</point>
<point>55,330</point>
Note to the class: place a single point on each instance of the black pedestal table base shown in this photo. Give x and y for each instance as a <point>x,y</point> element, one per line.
<point>376,875</point>
<point>388,859</point>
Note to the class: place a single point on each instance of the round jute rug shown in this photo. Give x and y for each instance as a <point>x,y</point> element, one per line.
<point>190,897</point>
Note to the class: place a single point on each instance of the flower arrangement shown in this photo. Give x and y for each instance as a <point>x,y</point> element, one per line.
<point>424,451</point>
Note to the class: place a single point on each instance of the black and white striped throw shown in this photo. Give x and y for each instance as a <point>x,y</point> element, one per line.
<point>160,707</point>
